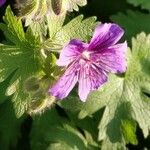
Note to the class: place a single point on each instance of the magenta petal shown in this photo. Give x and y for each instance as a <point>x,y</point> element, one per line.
<point>66,83</point>
<point>70,52</point>
<point>2,2</point>
<point>91,78</point>
<point>112,59</point>
<point>105,35</point>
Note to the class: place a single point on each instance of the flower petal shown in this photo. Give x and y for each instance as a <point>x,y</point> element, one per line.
<point>105,35</point>
<point>66,83</point>
<point>112,59</point>
<point>91,78</point>
<point>70,52</point>
<point>2,2</point>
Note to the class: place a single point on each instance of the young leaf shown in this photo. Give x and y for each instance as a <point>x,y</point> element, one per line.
<point>33,11</point>
<point>55,23</point>
<point>76,28</point>
<point>20,53</point>
<point>60,35</point>
<point>69,5</point>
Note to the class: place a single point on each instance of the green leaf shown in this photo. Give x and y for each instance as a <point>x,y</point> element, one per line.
<point>129,129</point>
<point>69,5</point>
<point>52,131</point>
<point>76,28</point>
<point>60,146</point>
<point>88,125</point>
<point>3,87</point>
<point>73,100</point>
<point>60,35</point>
<point>20,53</point>
<point>131,91</point>
<point>39,28</point>
<point>124,98</point>
<point>107,144</point>
<point>10,126</point>
<point>12,28</point>
<point>55,23</point>
<point>133,23</point>
<point>41,126</point>
<point>145,4</point>
<point>27,7</point>
<point>69,135</point>
<point>33,11</point>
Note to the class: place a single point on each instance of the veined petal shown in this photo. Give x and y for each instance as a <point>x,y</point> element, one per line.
<point>70,52</point>
<point>112,59</point>
<point>105,35</point>
<point>66,83</point>
<point>2,2</point>
<point>91,78</point>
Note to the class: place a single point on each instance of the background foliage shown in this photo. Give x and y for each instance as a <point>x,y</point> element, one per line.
<point>114,117</point>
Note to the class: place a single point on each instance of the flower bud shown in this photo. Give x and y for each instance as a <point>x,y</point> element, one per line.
<point>56,6</point>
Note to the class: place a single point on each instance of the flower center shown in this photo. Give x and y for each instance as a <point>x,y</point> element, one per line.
<point>86,55</point>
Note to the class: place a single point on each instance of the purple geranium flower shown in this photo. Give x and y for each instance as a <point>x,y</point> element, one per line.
<point>89,63</point>
<point>2,2</point>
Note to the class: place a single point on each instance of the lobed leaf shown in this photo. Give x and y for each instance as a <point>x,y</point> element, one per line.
<point>71,5</point>
<point>20,53</point>
<point>76,29</point>
<point>124,98</point>
<point>51,131</point>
